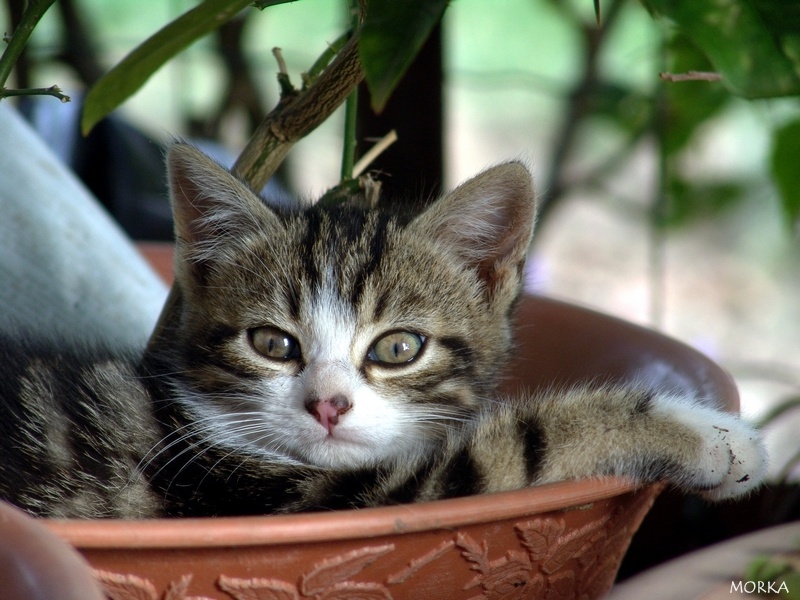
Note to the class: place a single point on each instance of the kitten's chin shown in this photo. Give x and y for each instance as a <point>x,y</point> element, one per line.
<point>334,452</point>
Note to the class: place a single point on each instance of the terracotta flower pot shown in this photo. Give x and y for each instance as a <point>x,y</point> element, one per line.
<point>556,541</point>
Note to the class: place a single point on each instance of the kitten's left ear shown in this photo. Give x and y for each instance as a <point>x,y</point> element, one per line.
<point>209,205</point>
<point>488,221</point>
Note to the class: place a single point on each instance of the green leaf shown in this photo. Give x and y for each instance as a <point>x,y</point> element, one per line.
<point>128,76</point>
<point>392,35</point>
<point>785,162</point>
<point>753,44</point>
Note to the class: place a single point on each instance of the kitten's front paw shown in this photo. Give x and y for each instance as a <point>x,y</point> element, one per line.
<point>742,454</point>
<point>732,460</point>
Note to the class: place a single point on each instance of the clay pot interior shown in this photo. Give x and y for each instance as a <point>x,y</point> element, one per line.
<point>565,540</point>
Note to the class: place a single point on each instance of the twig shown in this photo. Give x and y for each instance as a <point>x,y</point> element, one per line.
<point>282,70</point>
<point>691,76</point>
<point>287,89</point>
<point>294,118</point>
<point>374,152</point>
<point>349,145</point>
<point>361,188</point>
<point>53,90</point>
<point>17,41</point>
<point>351,109</point>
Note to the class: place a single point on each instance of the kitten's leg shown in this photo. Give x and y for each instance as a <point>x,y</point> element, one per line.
<point>625,431</point>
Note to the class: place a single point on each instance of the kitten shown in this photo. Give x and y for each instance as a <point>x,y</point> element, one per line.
<point>333,357</point>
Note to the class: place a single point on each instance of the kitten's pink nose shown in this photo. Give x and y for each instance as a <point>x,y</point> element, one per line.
<point>328,410</point>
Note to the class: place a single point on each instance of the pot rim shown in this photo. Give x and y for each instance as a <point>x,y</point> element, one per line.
<point>339,525</point>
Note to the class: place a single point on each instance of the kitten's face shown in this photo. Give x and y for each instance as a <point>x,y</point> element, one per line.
<point>336,337</point>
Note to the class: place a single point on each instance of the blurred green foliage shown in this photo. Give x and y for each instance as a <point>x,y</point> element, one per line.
<point>751,46</point>
<point>754,45</point>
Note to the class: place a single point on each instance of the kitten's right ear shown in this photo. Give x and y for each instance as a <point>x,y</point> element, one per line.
<point>488,223</point>
<point>209,205</point>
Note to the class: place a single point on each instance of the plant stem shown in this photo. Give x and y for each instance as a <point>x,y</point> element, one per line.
<point>325,58</point>
<point>53,90</point>
<point>373,153</point>
<point>30,18</point>
<point>350,110</point>
<point>349,146</point>
<point>292,120</point>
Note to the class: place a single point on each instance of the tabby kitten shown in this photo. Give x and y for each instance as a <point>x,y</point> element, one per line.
<point>332,357</point>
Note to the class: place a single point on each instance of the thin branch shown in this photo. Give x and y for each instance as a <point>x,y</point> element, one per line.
<point>16,44</point>
<point>278,54</point>
<point>53,90</point>
<point>294,118</point>
<point>691,76</point>
<point>374,152</point>
<point>287,89</point>
<point>350,141</point>
<point>349,145</point>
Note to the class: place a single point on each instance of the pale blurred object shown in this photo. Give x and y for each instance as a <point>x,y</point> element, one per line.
<point>66,268</point>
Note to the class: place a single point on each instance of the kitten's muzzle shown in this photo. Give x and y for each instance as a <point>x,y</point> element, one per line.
<point>328,410</point>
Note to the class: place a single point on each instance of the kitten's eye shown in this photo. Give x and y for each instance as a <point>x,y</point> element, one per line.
<point>396,348</point>
<point>274,343</point>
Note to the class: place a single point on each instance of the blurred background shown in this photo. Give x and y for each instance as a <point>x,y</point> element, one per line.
<point>657,201</point>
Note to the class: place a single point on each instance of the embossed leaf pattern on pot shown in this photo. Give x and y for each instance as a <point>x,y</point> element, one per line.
<point>546,541</point>
<point>552,562</point>
<point>125,586</point>
<point>258,588</point>
<point>275,589</point>
<point>118,586</point>
<point>507,577</point>
<point>356,591</point>
<point>539,536</point>
<point>329,572</point>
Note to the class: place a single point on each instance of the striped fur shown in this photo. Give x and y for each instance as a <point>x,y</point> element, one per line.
<point>332,357</point>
